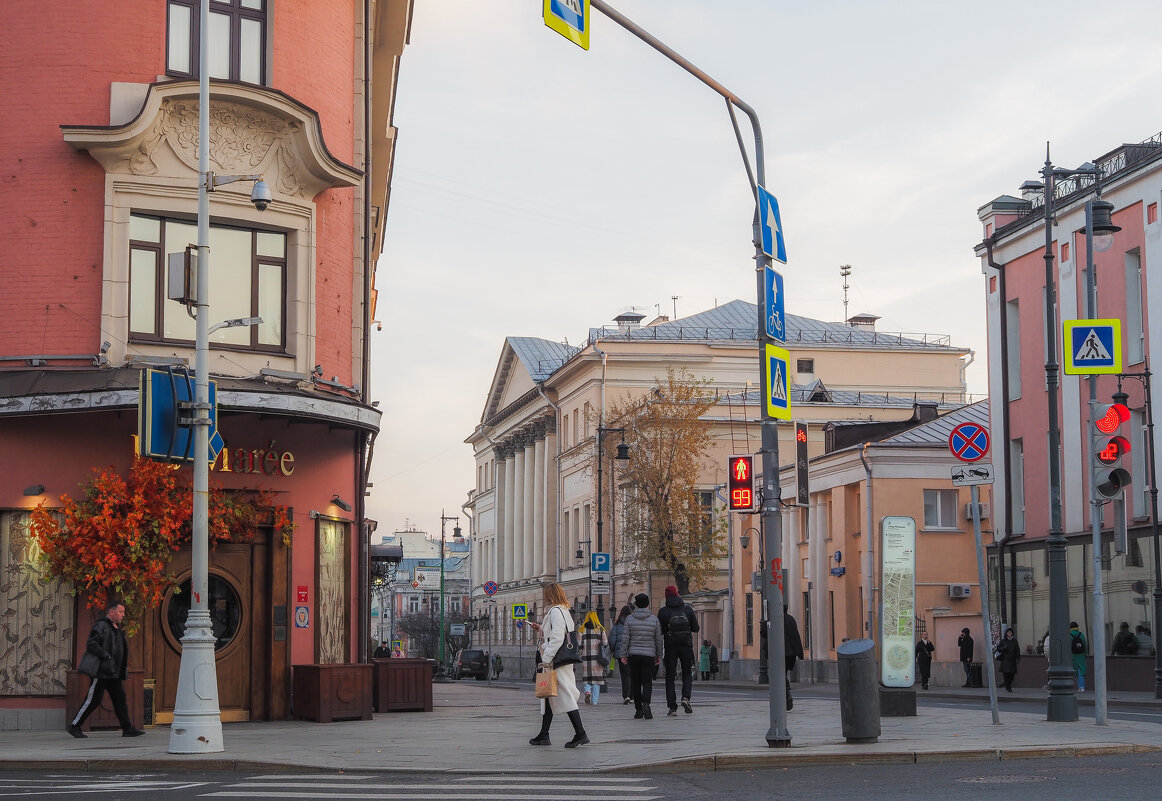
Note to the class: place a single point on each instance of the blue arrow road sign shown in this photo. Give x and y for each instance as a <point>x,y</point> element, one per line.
<point>599,563</point>
<point>775,321</point>
<point>771,226</point>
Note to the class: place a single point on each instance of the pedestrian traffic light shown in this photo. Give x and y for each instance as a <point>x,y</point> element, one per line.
<point>740,483</point>
<point>1109,479</point>
<point>802,490</point>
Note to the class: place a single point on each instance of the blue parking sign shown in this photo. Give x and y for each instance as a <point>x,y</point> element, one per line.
<point>599,563</point>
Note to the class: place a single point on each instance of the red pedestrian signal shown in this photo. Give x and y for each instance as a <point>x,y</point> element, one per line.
<point>740,483</point>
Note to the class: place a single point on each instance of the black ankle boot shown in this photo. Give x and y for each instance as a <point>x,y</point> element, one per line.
<point>546,722</point>
<point>579,736</point>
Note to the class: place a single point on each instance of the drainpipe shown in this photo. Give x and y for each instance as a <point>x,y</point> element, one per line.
<point>869,575</point>
<point>1007,478</point>
<point>557,461</point>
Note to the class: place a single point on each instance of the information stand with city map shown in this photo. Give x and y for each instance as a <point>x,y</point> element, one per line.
<point>898,621</point>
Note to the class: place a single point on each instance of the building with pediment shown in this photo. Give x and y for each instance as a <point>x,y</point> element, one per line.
<point>534,508</point>
<point>100,148</point>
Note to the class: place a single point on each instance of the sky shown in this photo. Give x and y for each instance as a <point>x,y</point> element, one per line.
<point>540,189</point>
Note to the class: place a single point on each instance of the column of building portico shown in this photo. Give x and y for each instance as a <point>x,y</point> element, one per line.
<point>550,504</point>
<point>529,505</point>
<point>505,532</point>
<point>538,528</point>
<point>516,540</point>
<point>792,560</point>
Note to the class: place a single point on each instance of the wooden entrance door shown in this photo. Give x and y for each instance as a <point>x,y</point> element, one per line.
<point>238,591</point>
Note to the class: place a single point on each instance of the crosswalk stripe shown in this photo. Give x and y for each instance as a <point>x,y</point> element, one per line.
<point>475,795</point>
<point>540,784</point>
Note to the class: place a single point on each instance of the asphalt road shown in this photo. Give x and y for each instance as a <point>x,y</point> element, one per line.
<point>1106,777</point>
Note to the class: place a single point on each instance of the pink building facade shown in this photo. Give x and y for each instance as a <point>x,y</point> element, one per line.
<point>1128,289</point>
<point>100,156</point>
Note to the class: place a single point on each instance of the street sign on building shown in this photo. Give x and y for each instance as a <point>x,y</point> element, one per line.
<point>1092,347</point>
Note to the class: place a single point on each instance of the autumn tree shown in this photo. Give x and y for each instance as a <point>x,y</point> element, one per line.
<point>667,524</point>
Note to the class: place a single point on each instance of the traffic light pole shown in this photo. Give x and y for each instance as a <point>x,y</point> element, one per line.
<point>777,735</point>
<point>1098,630</point>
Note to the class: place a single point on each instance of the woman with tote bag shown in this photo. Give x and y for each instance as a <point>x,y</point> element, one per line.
<point>557,633</point>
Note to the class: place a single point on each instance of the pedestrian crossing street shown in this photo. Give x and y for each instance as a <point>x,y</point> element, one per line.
<point>501,787</point>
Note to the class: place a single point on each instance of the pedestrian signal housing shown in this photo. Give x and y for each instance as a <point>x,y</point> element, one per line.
<point>740,483</point>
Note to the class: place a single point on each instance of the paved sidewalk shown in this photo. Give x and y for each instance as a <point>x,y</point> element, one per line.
<point>475,728</point>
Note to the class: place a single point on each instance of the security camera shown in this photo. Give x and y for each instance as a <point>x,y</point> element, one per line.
<point>260,195</point>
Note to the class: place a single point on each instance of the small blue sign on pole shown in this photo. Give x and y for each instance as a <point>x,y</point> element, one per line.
<point>771,226</point>
<point>165,403</point>
<point>776,323</point>
<point>599,562</point>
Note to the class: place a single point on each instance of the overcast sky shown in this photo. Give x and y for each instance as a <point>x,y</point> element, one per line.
<point>540,189</point>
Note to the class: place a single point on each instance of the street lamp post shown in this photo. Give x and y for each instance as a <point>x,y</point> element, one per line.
<point>456,535</point>
<point>622,456</point>
<point>197,721</point>
<point>1062,704</point>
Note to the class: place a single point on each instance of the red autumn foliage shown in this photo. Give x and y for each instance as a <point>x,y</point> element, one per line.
<point>118,538</point>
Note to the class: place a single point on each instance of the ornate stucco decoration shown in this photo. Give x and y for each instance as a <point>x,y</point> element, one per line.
<point>252,130</point>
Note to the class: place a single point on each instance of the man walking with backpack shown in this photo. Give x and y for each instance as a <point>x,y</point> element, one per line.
<point>1077,648</point>
<point>679,624</point>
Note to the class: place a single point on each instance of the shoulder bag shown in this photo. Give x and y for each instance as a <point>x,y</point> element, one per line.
<point>569,653</point>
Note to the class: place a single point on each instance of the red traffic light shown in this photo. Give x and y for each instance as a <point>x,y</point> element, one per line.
<point>740,483</point>
<point>1110,417</point>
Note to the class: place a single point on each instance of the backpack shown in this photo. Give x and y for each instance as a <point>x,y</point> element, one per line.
<point>678,629</point>
<point>1077,645</point>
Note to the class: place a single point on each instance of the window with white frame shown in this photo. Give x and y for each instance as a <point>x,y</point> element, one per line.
<point>1012,347</point>
<point>1017,481</point>
<point>247,279</point>
<point>940,508</point>
<point>1135,329</point>
<point>237,39</point>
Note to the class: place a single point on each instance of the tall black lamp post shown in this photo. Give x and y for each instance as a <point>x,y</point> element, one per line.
<point>622,456</point>
<point>1062,695</point>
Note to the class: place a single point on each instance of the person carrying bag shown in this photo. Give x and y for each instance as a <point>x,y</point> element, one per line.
<point>559,652</point>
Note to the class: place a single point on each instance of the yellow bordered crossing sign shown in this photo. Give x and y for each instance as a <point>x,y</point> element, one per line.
<point>778,388</point>
<point>520,611</point>
<point>570,18</point>
<point>1092,347</point>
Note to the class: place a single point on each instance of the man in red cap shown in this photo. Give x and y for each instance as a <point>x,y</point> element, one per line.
<point>679,625</point>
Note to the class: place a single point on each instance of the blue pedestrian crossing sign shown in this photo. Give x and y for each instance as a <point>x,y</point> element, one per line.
<point>778,385</point>
<point>599,563</point>
<point>1092,347</point>
<point>520,611</point>
<point>775,317</point>
<point>771,226</point>
<point>570,18</point>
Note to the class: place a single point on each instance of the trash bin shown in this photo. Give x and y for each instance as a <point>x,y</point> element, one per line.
<point>859,697</point>
<point>975,674</point>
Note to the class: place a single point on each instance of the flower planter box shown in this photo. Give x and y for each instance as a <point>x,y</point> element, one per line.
<point>325,693</point>
<point>403,685</point>
<point>103,717</point>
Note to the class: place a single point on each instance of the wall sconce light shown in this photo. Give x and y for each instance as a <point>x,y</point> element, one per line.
<point>342,504</point>
<point>34,490</point>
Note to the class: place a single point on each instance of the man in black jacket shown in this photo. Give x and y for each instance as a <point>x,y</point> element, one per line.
<point>792,651</point>
<point>966,647</point>
<point>679,625</point>
<point>106,663</point>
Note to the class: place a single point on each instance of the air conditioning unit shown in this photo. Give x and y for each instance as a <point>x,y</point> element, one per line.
<point>959,590</point>
<point>983,509</point>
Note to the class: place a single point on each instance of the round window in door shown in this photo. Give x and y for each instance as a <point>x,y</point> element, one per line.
<point>224,605</point>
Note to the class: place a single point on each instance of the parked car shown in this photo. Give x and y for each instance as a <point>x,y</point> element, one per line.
<point>472,662</point>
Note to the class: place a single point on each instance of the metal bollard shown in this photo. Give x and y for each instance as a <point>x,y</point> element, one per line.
<point>859,696</point>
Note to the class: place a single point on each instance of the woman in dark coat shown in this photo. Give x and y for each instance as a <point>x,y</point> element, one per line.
<point>924,650</point>
<point>1009,655</point>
